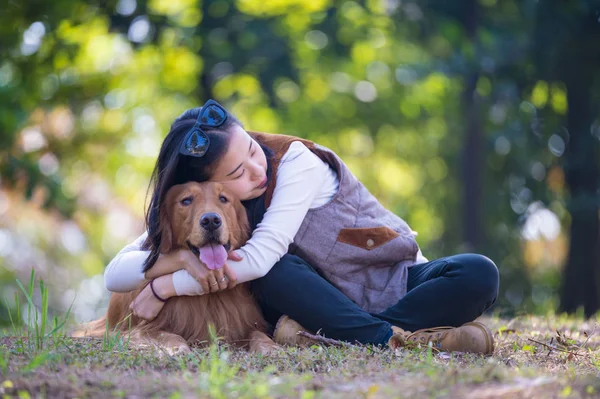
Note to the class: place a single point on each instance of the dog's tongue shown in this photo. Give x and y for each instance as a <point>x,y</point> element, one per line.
<point>213,256</point>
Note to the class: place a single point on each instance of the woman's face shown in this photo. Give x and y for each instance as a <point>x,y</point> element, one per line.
<point>243,168</point>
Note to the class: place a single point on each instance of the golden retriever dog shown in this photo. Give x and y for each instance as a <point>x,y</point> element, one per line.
<point>195,216</point>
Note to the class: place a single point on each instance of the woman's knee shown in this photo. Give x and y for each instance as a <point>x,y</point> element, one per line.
<point>482,275</point>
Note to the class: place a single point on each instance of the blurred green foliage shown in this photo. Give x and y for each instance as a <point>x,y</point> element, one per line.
<point>88,90</point>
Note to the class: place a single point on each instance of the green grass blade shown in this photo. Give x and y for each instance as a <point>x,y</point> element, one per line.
<point>18,305</point>
<point>55,329</point>
<point>62,323</point>
<point>25,292</point>
<point>53,332</point>
<point>36,330</point>
<point>44,292</point>
<point>30,306</point>
<point>38,361</point>
<point>4,359</point>
<point>106,337</point>
<point>12,323</point>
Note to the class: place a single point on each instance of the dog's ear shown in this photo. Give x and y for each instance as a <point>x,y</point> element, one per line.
<point>243,230</point>
<point>166,232</point>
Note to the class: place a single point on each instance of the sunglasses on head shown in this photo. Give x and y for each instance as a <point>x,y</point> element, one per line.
<point>196,142</point>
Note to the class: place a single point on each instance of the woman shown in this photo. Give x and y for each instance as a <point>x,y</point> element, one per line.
<point>354,271</point>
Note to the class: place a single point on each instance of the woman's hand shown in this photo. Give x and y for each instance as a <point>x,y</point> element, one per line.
<point>233,255</point>
<point>146,306</point>
<point>210,280</point>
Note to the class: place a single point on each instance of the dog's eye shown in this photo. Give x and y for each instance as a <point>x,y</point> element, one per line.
<point>223,199</point>
<point>186,201</point>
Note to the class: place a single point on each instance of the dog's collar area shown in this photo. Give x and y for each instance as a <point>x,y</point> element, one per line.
<point>196,250</point>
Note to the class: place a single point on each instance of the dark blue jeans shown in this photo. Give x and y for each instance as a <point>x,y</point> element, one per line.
<point>444,292</point>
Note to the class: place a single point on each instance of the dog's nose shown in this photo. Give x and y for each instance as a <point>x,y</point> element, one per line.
<point>210,221</point>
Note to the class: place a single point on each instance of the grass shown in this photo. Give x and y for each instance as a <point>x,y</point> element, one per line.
<point>536,357</point>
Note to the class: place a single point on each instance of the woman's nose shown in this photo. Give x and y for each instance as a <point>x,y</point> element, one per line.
<point>256,171</point>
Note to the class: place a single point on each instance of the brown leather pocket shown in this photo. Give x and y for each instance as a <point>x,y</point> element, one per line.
<point>367,237</point>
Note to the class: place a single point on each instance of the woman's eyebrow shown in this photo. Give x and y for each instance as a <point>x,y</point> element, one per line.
<point>240,165</point>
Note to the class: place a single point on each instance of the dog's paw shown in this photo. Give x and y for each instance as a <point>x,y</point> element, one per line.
<point>179,350</point>
<point>266,348</point>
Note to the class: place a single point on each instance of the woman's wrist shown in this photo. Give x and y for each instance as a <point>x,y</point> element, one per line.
<point>183,259</point>
<point>163,286</point>
<point>165,264</point>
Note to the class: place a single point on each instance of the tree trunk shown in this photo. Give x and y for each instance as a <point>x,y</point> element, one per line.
<point>581,276</point>
<point>473,150</point>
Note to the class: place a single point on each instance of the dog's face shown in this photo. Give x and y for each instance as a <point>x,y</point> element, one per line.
<point>204,217</point>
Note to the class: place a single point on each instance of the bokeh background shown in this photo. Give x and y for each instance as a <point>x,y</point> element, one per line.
<point>474,120</point>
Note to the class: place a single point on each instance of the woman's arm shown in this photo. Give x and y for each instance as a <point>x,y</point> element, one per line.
<point>167,264</point>
<point>299,179</point>
<point>124,272</point>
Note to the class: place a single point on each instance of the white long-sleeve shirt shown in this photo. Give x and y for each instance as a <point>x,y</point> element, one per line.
<point>304,181</point>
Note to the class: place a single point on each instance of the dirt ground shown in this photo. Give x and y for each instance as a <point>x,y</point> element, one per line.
<point>535,357</point>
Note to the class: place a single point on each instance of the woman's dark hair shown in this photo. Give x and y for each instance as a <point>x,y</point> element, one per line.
<point>173,168</point>
<point>256,207</point>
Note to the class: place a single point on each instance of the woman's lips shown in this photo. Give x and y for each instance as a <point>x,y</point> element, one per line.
<point>263,184</point>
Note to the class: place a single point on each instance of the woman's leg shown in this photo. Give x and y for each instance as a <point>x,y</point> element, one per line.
<point>294,288</point>
<point>445,292</point>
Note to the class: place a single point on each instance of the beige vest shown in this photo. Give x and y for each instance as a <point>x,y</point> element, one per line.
<point>359,246</point>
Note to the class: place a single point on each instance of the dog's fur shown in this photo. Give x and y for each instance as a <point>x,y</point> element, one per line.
<point>185,320</point>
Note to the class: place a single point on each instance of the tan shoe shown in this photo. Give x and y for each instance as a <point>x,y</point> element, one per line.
<point>473,337</point>
<point>286,333</point>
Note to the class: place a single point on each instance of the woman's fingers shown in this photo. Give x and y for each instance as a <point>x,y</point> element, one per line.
<point>233,255</point>
<point>230,276</point>
<point>212,280</point>
<point>204,282</point>
<point>213,284</point>
<point>221,279</point>
<point>200,272</point>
